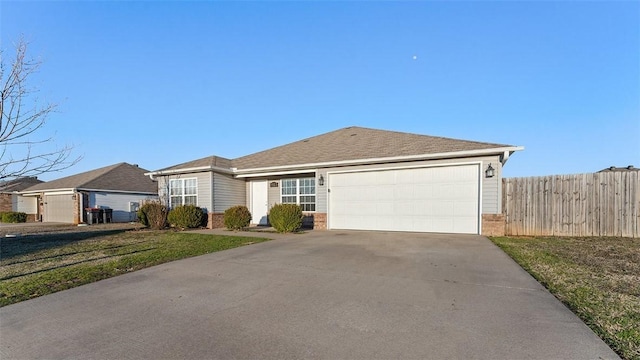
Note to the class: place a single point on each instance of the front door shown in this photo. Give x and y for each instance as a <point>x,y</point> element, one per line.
<point>259,202</point>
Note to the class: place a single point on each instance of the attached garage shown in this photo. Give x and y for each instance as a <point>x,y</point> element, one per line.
<point>427,199</point>
<point>59,208</point>
<point>120,188</point>
<point>362,179</point>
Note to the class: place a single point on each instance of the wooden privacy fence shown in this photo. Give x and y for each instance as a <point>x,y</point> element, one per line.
<point>598,204</point>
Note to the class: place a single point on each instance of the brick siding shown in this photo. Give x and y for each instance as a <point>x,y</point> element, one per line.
<point>6,202</point>
<point>215,220</point>
<point>320,221</point>
<point>493,224</point>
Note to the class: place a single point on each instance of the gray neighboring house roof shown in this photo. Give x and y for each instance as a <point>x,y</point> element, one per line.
<point>344,145</point>
<point>118,177</point>
<point>613,168</point>
<point>18,184</point>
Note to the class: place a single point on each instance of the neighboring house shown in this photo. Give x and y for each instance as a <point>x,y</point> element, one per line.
<point>620,169</point>
<point>10,200</point>
<point>354,178</point>
<point>120,187</point>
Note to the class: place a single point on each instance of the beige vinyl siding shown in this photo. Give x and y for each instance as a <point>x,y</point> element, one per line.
<point>163,189</point>
<point>247,194</point>
<point>228,192</point>
<point>321,192</point>
<point>204,188</point>
<point>492,187</point>
<point>274,193</point>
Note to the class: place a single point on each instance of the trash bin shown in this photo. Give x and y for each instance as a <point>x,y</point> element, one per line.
<point>107,215</point>
<point>93,215</point>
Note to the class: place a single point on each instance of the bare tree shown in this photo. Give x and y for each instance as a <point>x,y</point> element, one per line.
<point>22,116</point>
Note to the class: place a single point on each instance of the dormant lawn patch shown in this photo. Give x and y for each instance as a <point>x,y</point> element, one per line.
<point>597,278</point>
<point>45,262</point>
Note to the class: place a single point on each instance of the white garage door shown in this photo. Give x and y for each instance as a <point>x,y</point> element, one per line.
<point>433,199</point>
<point>58,208</point>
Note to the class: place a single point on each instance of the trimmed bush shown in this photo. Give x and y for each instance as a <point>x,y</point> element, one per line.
<point>142,218</point>
<point>237,217</point>
<point>13,217</point>
<point>186,217</point>
<point>154,215</point>
<point>286,217</point>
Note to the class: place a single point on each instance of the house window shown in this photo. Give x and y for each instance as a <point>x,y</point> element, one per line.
<point>299,191</point>
<point>183,192</point>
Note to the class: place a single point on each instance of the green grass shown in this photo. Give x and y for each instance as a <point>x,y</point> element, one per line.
<point>41,264</point>
<point>597,278</point>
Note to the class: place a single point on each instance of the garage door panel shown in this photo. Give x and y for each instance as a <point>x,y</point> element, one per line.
<point>465,209</point>
<point>435,199</point>
<point>404,191</point>
<point>58,208</point>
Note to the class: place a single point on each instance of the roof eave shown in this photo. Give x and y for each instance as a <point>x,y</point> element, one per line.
<point>188,170</point>
<point>242,173</point>
<point>38,191</point>
<point>77,189</point>
<point>119,191</point>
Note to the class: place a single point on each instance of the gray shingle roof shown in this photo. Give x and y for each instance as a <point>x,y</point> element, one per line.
<point>18,184</point>
<point>355,143</point>
<point>350,143</point>
<point>209,161</point>
<point>119,177</point>
<point>620,169</point>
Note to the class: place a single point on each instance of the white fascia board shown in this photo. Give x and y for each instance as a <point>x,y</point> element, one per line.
<point>275,173</point>
<point>75,190</point>
<point>261,171</point>
<point>118,191</point>
<point>188,170</point>
<point>49,191</point>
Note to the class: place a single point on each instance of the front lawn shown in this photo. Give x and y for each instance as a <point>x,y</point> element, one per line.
<point>40,264</point>
<point>597,278</point>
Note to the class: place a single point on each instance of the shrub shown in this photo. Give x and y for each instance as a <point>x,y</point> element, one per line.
<point>186,216</point>
<point>286,217</point>
<point>13,217</point>
<point>142,218</point>
<point>237,217</point>
<point>153,214</point>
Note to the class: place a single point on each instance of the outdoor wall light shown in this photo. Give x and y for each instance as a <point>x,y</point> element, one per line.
<point>321,180</point>
<point>490,172</point>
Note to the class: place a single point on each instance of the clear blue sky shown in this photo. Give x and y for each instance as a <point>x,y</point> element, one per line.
<point>160,83</point>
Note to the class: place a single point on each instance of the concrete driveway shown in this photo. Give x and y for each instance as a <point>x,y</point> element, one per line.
<point>324,294</point>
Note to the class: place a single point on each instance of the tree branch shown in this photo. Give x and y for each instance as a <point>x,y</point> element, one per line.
<point>19,123</point>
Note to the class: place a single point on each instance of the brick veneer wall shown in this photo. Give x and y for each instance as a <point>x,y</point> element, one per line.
<point>493,224</point>
<point>215,220</point>
<point>320,221</point>
<point>6,202</point>
<point>77,211</point>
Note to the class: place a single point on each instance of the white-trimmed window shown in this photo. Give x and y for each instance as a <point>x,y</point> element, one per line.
<point>183,192</point>
<point>299,191</point>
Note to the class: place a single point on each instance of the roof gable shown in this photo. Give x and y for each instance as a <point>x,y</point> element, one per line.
<point>119,177</point>
<point>343,145</point>
<point>357,143</point>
